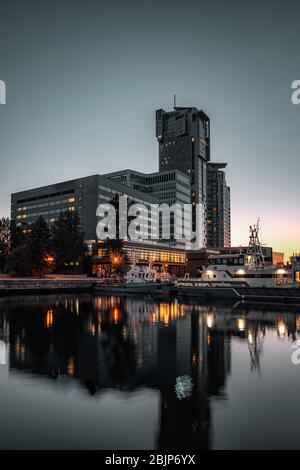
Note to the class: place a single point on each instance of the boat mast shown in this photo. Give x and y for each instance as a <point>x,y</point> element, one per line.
<point>254,252</point>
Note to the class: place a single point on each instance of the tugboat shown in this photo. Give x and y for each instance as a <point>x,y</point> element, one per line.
<point>139,280</point>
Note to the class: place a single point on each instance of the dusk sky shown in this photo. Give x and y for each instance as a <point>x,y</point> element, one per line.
<point>84,79</point>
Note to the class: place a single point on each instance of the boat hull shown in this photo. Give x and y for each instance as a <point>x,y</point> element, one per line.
<point>274,294</point>
<point>136,288</point>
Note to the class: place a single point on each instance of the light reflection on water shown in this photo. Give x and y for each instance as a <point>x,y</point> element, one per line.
<point>89,372</point>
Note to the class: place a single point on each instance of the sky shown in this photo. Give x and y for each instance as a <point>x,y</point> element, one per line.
<point>84,78</point>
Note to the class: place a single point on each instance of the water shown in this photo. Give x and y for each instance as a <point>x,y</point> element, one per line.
<point>83,372</point>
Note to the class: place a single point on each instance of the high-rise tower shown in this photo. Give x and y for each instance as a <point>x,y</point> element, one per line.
<point>218,206</point>
<point>184,144</point>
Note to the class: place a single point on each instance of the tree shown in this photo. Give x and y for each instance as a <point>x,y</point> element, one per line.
<point>114,247</point>
<point>121,217</point>
<point>4,242</point>
<point>17,237</point>
<point>18,262</point>
<point>38,247</point>
<point>118,257</point>
<point>67,240</point>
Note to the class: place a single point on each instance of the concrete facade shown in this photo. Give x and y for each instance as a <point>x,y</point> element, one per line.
<point>168,187</point>
<point>82,195</point>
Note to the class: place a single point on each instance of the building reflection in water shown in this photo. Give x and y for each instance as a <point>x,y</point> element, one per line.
<point>182,350</point>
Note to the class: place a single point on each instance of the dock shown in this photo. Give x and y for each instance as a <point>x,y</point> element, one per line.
<point>45,285</point>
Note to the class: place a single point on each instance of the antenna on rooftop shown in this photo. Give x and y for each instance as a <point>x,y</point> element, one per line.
<point>174,101</point>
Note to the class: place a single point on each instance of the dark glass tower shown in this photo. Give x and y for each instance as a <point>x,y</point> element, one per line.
<point>218,206</point>
<point>184,143</point>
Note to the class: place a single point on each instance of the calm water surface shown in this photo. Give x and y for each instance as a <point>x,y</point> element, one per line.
<point>83,372</point>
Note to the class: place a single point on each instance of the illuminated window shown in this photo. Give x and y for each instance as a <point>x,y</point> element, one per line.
<point>71,199</point>
<point>71,209</point>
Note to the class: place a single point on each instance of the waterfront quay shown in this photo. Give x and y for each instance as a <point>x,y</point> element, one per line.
<point>72,284</point>
<point>10,285</point>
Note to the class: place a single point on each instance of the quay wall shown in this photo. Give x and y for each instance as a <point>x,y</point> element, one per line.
<point>26,285</point>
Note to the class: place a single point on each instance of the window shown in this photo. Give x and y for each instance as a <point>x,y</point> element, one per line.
<point>68,191</point>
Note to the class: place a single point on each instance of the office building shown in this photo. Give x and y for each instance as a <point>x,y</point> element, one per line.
<point>82,195</point>
<point>218,206</point>
<point>163,258</point>
<point>183,137</point>
<point>168,187</point>
<point>185,177</point>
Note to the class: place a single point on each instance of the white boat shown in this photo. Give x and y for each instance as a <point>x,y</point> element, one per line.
<point>236,270</point>
<point>141,275</point>
<point>242,269</point>
<point>139,279</point>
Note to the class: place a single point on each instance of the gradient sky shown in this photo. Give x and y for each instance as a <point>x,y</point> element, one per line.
<point>84,79</point>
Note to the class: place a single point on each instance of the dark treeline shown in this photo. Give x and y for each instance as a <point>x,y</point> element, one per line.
<point>40,249</point>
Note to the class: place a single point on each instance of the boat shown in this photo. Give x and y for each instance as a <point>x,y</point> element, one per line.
<point>235,270</point>
<point>138,280</point>
<point>243,276</point>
